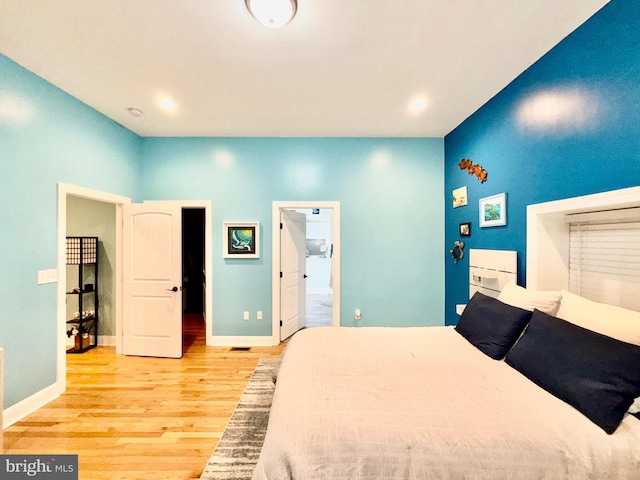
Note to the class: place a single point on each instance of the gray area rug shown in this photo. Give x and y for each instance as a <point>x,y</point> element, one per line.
<point>236,454</point>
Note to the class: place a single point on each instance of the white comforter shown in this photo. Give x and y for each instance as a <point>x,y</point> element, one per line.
<point>422,403</point>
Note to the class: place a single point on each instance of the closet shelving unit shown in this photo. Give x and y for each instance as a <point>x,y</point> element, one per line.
<point>83,327</point>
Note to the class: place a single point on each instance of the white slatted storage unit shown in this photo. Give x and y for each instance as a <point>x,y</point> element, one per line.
<point>604,256</point>
<point>491,270</point>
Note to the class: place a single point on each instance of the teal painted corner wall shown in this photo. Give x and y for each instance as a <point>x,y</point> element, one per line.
<point>391,200</point>
<point>568,126</point>
<point>46,137</point>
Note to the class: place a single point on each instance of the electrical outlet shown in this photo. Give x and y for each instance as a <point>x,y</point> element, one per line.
<point>259,315</point>
<point>246,315</point>
<point>47,276</point>
<point>358,314</point>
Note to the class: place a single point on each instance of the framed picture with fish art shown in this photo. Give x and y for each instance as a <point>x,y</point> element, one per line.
<point>241,240</point>
<point>493,210</point>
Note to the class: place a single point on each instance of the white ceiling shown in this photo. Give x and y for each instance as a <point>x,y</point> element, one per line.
<point>341,68</point>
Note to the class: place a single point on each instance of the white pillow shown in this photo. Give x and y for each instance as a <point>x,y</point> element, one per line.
<point>635,407</point>
<point>616,322</point>
<point>527,299</point>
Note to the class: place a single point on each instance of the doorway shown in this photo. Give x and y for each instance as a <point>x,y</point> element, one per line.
<point>193,278</point>
<point>331,250</point>
<point>92,218</point>
<point>318,259</point>
<point>64,192</point>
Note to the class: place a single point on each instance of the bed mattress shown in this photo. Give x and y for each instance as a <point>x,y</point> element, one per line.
<point>418,403</point>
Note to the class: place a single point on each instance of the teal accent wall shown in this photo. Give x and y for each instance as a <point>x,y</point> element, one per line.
<point>46,137</point>
<point>568,126</point>
<point>391,200</point>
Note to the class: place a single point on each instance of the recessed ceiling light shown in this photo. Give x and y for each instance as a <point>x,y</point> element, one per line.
<point>135,112</point>
<point>417,104</point>
<point>167,104</point>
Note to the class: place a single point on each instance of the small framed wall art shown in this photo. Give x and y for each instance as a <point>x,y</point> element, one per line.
<point>241,240</point>
<point>460,197</point>
<point>493,210</point>
<point>465,229</point>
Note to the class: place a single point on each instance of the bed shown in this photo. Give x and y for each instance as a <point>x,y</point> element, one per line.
<point>510,392</point>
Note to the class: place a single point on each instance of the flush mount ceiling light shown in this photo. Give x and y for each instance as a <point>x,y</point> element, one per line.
<point>272,13</point>
<point>135,112</point>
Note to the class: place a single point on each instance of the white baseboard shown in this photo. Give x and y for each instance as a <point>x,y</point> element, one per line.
<point>17,412</point>
<point>103,341</point>
<point>107,340</point>
<point>229,341</point>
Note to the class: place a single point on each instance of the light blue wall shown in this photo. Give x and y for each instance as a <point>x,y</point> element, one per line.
<point>390,193</point>
<point>592,144</point>
<point>46,137</point>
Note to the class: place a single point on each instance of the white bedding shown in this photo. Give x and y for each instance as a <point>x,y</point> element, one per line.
<point>423,403</point>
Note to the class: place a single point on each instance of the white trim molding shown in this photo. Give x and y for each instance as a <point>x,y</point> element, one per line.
<point>18,411</point>
<point>240,341</point>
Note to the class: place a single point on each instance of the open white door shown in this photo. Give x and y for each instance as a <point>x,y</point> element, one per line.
<point>152,264</point>
<point>293,289</point>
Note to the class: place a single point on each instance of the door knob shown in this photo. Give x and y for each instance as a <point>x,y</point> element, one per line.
<point>304,276</point>
<point>174,289</point>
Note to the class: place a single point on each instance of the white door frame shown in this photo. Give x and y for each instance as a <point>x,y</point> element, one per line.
<point>275,276</point>
<point>64,191</point>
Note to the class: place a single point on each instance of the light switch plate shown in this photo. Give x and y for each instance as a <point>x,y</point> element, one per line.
<point>47,276</point>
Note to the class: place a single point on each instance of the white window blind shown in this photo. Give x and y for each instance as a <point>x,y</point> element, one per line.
<point>604,257</point>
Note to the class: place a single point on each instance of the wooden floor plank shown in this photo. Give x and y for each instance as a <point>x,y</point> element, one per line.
<point>138,417</point>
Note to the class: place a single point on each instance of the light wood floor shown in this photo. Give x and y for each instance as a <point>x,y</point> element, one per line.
<point>141,418</point>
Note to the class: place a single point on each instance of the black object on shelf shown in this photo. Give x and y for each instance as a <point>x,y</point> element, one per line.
<point>83,252</point>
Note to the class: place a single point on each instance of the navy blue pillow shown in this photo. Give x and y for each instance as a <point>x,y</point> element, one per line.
<point>596,374</point>
<point>492,326</point>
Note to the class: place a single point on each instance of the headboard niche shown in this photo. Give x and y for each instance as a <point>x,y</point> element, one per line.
<point>491,270</point>
<point>548,234</point>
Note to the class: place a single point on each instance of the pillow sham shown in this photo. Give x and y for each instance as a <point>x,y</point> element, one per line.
<point>610,320</point>
<point>491,326</point>
<point>596,374</point>
<point>546,301</point>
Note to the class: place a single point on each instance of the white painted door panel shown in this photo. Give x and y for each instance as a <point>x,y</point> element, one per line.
<point>293,244</point>
<point>152,257</point>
